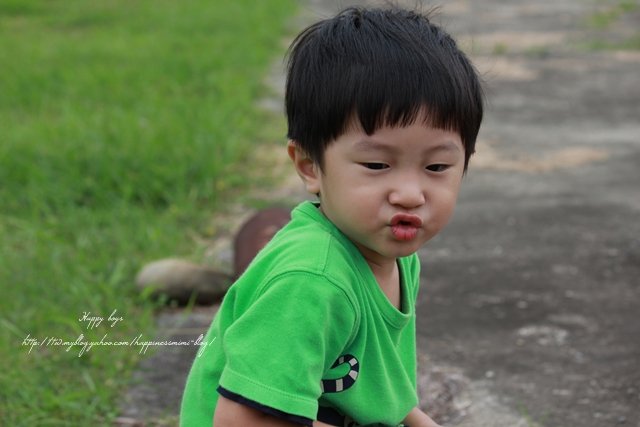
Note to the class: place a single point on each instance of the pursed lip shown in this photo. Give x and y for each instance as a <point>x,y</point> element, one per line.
<point>406,220</point>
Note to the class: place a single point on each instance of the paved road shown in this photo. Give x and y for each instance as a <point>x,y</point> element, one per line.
<point>534,289</point>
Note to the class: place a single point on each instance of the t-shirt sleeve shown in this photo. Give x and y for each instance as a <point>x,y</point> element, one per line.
<point>279,348</point>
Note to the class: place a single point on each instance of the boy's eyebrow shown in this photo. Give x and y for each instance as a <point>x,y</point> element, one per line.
<point>371,145</point>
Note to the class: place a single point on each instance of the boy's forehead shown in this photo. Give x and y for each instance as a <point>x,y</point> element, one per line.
<point>422,120</point>
<point>416,138</point>
<point>423,115</point>
<point>445,143</point>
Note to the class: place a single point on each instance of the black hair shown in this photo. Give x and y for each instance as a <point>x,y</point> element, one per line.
<point>384,67</point>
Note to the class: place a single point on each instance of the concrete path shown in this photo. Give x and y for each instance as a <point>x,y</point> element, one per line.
<point>529,310</point>
<point>534,289</point>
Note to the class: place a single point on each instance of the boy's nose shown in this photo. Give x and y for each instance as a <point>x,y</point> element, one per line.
<point>407,194</point>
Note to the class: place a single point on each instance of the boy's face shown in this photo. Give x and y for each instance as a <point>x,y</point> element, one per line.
<point>389,192</point>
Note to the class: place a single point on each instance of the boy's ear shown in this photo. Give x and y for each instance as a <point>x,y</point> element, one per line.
<point>307,169</point>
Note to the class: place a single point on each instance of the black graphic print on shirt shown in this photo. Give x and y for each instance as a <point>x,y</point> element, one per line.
<point>345,382</point>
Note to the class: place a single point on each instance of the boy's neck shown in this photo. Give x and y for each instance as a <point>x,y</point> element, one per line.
<point>388,278</point>
<point>383,271</point>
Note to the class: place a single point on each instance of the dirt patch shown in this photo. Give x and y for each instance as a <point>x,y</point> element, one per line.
<point>517,41</point>
<point>489,156</point>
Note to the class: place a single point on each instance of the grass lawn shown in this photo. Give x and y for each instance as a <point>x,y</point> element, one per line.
<point>123,125</point>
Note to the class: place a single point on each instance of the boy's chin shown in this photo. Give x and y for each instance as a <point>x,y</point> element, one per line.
<point>390,249</point>
<point>401,251</point>
<point>407,252</point>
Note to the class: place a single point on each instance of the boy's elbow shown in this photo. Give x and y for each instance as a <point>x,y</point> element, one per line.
<point>232,414</point>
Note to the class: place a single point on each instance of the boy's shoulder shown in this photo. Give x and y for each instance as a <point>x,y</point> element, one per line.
<point>309,243</point>
<point>309,257</point>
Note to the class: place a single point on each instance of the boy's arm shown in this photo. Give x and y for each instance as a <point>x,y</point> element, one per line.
<point>417,418</point>
<point>231,414</point>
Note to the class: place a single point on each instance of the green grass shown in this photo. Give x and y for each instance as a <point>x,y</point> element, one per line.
<point>607,23</point>
<point>123,126</point>
<point>606,17</point>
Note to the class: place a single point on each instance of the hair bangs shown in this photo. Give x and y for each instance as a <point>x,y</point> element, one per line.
<point>402,88</point>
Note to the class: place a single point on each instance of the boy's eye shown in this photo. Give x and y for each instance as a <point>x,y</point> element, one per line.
<point>375,166</point>
<point>439,167</point>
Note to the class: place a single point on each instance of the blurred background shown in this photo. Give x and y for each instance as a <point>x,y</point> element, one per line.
<point>133,131</point>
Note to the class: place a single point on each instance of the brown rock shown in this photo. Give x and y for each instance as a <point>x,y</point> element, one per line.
<point>254,234</point>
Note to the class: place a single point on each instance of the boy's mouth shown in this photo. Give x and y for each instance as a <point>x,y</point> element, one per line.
<point>405,226</point>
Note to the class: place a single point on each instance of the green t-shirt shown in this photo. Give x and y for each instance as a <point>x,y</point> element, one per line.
<point>307,325</point>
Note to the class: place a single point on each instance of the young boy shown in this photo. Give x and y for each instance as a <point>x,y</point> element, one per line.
<point>383,112</point>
